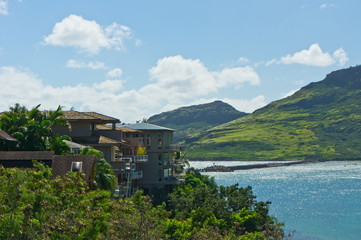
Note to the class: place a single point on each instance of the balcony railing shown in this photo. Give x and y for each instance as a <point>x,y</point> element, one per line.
<point>136,158</point>
<point>177,147</point>
<point>137,175</point>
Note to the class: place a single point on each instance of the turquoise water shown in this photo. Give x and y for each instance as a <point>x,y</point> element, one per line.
<point>319,201</point>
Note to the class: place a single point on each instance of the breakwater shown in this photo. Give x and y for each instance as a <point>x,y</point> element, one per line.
<point>221,168</point>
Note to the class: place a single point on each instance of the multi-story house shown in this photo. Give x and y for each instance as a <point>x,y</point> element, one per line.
<point>141,155</point>
<point>165,164</point>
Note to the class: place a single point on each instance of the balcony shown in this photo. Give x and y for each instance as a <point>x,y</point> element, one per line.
<point>177,147</point>
<point>137,175</point>
<point>135,158</point>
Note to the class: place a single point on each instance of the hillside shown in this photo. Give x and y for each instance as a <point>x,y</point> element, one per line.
<point>320,121</point>
<point>193,120</point>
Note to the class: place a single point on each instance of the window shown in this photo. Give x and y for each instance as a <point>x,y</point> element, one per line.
<point>159,141</point>
<point>160,160</point>
<point>76,166</point>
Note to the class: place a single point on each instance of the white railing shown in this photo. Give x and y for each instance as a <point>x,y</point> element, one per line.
<point>137,175</point>
<point>136,158</point>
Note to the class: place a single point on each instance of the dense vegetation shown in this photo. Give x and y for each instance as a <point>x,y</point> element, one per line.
<point>192,120</point>
<point>33,130</point>
<point>321,121</point>
<point>32,206</point>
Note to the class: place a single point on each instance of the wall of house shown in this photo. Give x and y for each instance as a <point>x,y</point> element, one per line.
<point>112,134</point>
<point>157,169</point>
<point>82,129</point>
<point>108,152</point>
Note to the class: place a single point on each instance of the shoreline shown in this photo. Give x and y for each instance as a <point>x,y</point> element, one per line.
<point>221,168</point>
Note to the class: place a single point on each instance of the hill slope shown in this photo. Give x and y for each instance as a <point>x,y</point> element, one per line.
<point>192,120</point>
<point>320,121</point>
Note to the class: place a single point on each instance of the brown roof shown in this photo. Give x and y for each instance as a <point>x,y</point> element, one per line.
<point>5,136</point>
<point>62,164</point>
<point>103,139</point>
<point>89,116</point>
<point>26,155</point>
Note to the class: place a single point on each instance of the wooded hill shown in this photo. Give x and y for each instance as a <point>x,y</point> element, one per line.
<point>193,120</point>
<point>321,121</point>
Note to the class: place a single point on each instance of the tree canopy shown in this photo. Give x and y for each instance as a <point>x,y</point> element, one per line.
<point>33,130</point>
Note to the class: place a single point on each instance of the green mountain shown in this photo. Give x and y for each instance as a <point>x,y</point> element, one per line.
<point>320,121</point>
<point>193,120</point>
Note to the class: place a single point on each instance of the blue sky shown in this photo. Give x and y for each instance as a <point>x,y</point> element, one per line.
<point>133,59</point>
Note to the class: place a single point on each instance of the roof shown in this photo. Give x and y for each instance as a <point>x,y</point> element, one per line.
<point>74,145</point>
<point>5,136</point>
<point>62,164</point>
<point>106,140</point>
<point>148,126</point>
<point>26,155</point>
<point>127,129</point>
<point>89,116</point>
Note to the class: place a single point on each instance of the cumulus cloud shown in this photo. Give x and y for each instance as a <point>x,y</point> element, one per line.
<point>174,81</point>
<point>314,56</point>
<point>188,78</point>
<point>115,73</point>
<point>80,64</point>
<point>89,36</point>
<point>3,7</point>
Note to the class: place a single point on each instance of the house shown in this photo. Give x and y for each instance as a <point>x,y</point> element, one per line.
<point>83,131</point>
<point>60,164</point>
<point>165,165</point>
<point>141,155</point>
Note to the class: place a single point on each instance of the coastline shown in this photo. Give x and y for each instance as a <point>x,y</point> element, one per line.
<point>222,168</point>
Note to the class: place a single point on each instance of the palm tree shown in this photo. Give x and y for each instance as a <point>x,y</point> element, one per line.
<point>104,177</point>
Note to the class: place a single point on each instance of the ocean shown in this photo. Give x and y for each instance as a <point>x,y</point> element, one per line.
<point>318,200</point>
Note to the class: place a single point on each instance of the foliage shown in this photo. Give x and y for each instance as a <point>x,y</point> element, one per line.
<point>199,205</point>
<point>141,151</point>
<point>33,130</point>
<point>319,122</point>
<point>104,177</point>
<point>33,205</point>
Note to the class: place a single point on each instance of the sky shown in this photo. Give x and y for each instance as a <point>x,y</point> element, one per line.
<point>134,59</point>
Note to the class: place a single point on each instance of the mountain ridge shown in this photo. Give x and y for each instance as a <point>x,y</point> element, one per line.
<point>320,121</point>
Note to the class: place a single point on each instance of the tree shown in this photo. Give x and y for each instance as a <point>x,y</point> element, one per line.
<point>33,130</point>
<point>104,177</point>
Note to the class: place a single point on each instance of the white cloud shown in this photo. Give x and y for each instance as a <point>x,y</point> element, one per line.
<point>314,56</point>
<point>340,56</point>
<point>89,36</point>
<point>243,60</point>
<point>188,78</point>
<point>80,64</point>
<point>110,86</point>
<point>327,5</point>
<point>115,73</point>
<point>3,7</point>
<point>174,81</point>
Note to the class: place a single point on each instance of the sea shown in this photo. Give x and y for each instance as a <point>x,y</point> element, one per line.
<point>314,201</point>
